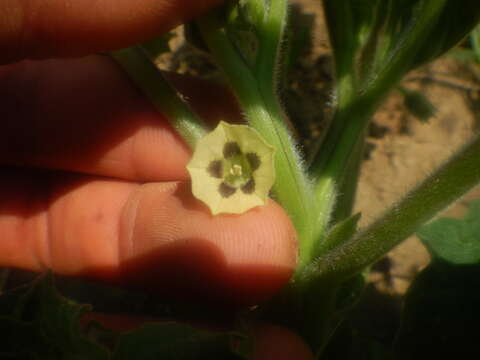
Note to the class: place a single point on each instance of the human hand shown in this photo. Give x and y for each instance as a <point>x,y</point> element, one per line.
<point>93,181</point>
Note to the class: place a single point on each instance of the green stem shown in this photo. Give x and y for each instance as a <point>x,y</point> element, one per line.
<point>345,95</point>
<point>332,157</point>
<point>452,180</point>
<point>343,37</point>
<point>149,79</point>
<point>347,190</point>
<point>263,112</point>
<point>307,311</point>
<point>336,179</point>
<point>403,55</point>
<point>353,115</point>
<point>271,35</point>
<point>376,50</point>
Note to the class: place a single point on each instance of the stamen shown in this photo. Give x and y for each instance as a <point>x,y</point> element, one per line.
<point>236,170</point>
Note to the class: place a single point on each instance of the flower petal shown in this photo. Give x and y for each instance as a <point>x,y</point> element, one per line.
<point>215,151</point>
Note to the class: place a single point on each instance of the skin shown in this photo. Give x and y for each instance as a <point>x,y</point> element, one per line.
<point>93,180</point>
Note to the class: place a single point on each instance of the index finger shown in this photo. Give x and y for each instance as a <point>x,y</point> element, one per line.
<point>39,28</point>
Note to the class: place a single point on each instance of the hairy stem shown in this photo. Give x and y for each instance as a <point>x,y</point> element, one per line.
<point>452,180</point>
<point>149,79</point>
<point>353,113</point>
<point>263,112</point>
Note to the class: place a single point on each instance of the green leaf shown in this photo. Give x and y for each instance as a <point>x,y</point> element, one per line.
<point>441,306</point>
<point>456,21</point>
<point>367,35</point>
<point>22,340</point>
<point>397,18</point>
<point>350,292</point>
<point>441,314</point>
<point>243,19</point>
<point>298,38</point>
<point>345,20</point>
<point>462,54</point>
<point>364,32</point>
<point>180,342</point>
<point>348,343</point>
<point>341,232</point>
<point>455,241</point>
<point>37,323</point>
<point>475,40</point>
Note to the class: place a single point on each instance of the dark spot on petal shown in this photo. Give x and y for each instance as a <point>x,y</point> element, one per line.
<point>230,149</point>
<point>249,187</point>
<point>253,160</point>
<point>226,190</point>
<point>215,169</point>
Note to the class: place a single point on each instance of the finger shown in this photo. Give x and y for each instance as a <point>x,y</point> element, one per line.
<point>39,28</point>
<point>271,342</point>
<point>279,343</point>
<point>84,115</point>
<point>153,236</point>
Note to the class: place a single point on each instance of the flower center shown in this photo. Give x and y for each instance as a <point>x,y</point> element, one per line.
<point>237,170</point>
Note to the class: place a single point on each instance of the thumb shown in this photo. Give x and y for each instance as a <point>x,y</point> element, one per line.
<point>39,28</point>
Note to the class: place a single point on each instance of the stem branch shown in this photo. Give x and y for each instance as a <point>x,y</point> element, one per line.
<point>353,114</point>
<point>452,180</point>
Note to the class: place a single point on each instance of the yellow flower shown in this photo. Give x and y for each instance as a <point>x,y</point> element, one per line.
<point>232,169</point>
